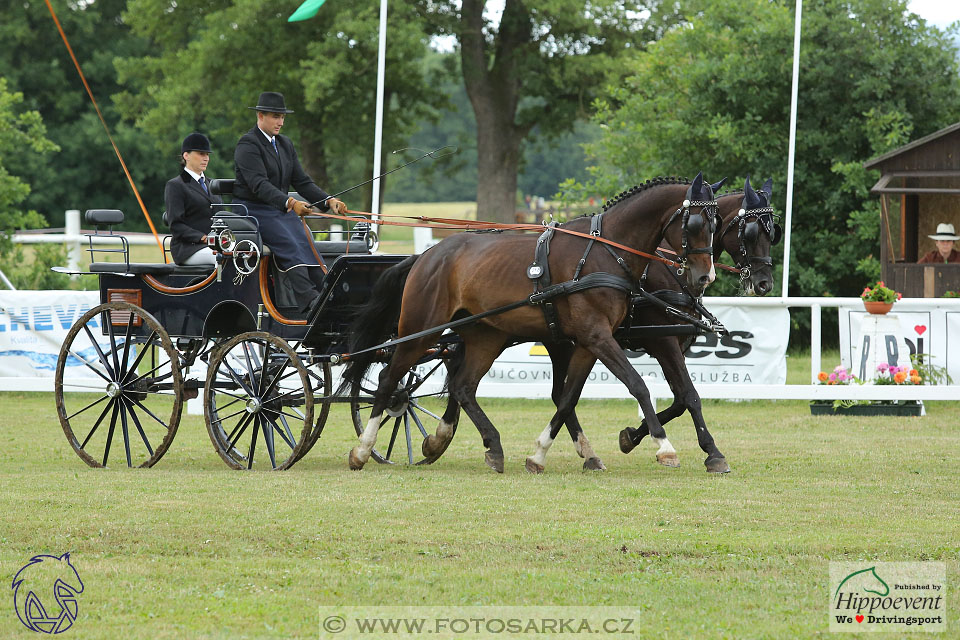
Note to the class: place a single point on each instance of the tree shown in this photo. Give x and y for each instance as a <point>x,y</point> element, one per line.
<point>216,56</point>
<point>22,134</point>
<point>714,95</point>
<point>540,67</point>
<point>86,173</point>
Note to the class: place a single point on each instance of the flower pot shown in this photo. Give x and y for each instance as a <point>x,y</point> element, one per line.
<point>878,308</point>
<point>904,408</point>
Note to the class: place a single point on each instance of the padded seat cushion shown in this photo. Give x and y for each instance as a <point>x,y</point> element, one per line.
<point>135,267</point>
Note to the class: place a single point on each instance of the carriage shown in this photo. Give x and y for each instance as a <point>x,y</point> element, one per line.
<point>164,334</point>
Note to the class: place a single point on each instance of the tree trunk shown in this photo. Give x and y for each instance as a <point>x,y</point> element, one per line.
<point>494,89</point>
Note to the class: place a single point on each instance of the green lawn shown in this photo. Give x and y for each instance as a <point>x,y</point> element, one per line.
<point>189,549</point>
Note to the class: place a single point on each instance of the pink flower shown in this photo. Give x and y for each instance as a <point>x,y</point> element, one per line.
<point>883,367</point>
<point>832,377</point>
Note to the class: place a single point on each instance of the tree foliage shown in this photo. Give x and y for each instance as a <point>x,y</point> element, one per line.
<point>86,173</point>
<point>714,95</point>
<point>210,60</point>
<point>22,135</point>
<point>541,66</point>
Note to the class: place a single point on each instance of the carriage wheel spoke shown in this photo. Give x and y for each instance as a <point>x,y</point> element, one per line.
<point>97,423</point>
<point>288,436</point>
<point>238,430</point>
<point>168,374</point>
<point>227,417</point>
<point>253,443</point>
<point>237,380</point>
<point>421,379</point>
<point>126,351</point>
<point>150,413</point>
<point>96,346</point>
<point>92,404</point>
<point>406,430</point>
<point>126,431</point>
<point>413,414</point>
<point>419,407</point>
<point>393,437</point>
<point>89,366</point>
<point>254,384</point>
<point>143,352</point>
<point>113,425</point>
<point>267,427</point>
<point>136,422</point>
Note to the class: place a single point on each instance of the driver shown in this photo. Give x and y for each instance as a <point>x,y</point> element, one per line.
<point>267,166</point>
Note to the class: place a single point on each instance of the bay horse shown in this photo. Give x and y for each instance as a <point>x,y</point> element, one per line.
<point>475,273</point>
<point>748,231</point>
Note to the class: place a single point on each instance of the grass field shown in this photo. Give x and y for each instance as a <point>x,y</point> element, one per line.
<point>189,549</point>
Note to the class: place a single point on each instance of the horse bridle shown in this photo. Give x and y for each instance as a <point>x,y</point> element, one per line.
<point>709,210</point>
<point>749,231</point>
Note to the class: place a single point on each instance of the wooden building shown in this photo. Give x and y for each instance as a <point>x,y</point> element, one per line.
<point>919,187</point>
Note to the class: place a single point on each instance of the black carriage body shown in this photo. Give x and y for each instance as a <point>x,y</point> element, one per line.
<point>228,306</point>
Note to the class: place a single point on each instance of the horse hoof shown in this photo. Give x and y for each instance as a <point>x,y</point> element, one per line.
<point>626,442</point>
<point>354,460</point>
<point>494,461</point>
<point>668,459</point>
<point>717,465</point>
<point>533,467</point>
<point>432,449</point>
<point>593,464</point>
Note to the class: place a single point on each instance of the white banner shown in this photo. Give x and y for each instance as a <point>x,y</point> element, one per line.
<point>925,326</point>
<point>33,325</point>
<point>754,352</point>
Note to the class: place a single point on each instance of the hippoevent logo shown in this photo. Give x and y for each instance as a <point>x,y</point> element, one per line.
<point>888,596</point>
<point>45,593</point>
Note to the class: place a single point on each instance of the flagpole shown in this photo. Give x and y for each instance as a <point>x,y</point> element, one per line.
<point>791,151</point>
<point>378,132</point>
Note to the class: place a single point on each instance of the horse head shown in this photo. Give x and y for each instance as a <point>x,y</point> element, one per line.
<point>45,593</point>
<point>691,229</point>
<point>749,233</point>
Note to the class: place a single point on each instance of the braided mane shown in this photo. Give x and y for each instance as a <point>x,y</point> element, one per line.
<point>649,184</point>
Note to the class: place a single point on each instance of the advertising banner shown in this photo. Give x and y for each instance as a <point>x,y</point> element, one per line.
<point>33,325</point>
<point>925,327</point>
<point>754,352</point>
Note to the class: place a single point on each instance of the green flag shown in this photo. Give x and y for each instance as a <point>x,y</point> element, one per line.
<point>307,10</point>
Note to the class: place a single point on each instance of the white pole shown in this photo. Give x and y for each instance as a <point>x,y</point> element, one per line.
<point>788,214</point>
<point>815,339</point>
<point>72,230</point>
<point>378,133</point>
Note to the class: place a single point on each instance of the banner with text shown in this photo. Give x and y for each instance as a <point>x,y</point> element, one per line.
<point>33,325</point>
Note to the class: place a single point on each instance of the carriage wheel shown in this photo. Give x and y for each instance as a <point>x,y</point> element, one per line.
<point>126,369</point>
<point>321,381</point>
<point>258,402</point>
<point>406,413</point>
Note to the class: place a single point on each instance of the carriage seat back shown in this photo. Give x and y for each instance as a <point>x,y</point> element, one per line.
<point>103,217</point>
<point>222,186</point>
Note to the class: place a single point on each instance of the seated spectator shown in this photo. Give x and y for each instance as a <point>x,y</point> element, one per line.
<point>944,237</point>
<point>188,200</point>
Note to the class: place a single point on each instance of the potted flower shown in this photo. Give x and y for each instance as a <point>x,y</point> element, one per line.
<point>879,298</point>
<point>886,374</point>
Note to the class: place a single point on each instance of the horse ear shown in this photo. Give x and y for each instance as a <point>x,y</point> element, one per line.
<point>697,185</point>
<point>768,187</point>
<point>716,185</point>
<point>750,197</point>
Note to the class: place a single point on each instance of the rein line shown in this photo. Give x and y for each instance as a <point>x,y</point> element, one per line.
<point>480,225</point>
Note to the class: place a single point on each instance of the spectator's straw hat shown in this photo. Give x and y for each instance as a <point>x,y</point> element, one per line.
<point>945,232</point>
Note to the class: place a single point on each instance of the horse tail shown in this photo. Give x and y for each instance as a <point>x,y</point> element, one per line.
<point>376,320</point>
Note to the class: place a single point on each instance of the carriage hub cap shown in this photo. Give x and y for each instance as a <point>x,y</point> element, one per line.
<point>113,389</point>
<point>253,405</point>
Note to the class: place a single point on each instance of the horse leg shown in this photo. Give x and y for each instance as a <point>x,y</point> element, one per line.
<point>436,444</point>
<point>578,369</point>
<point>481,347</point>
<point>606,349</point>
<point>630,437</point>
<point>675,370</point>
<point>403,359</point>
<point>560,354</point>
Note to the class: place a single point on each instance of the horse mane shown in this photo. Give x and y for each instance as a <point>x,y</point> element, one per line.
<point>636,189</point>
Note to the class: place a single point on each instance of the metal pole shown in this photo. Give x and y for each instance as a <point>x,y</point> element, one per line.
<point>6,282</point>
<point>788,214</point>
<point>378,132</point>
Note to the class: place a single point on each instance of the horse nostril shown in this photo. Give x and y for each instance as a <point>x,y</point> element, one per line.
<point>763,286</point>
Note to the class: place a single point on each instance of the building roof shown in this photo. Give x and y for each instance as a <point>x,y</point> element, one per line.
<point>908,157</point>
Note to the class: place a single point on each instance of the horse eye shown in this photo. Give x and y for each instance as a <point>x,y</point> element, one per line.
<point>777,234</point>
